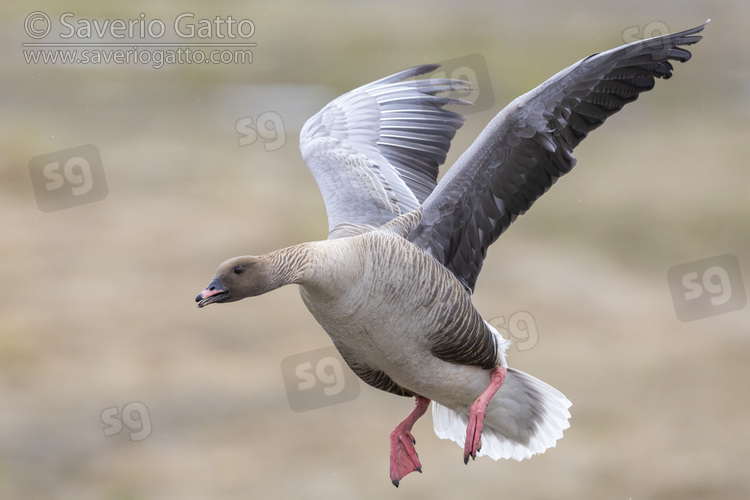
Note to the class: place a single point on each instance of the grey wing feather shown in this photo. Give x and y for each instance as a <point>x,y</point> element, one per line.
<point>375,152</point>
<point>529,145</point>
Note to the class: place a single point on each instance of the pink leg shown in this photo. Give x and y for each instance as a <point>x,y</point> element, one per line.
<point>404,459</point>
<point>476,414</point>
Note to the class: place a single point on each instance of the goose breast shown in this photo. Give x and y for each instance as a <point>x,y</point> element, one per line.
<point>401,320</point>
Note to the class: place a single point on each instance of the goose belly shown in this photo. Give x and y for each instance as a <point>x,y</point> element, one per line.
<point>387,318</point>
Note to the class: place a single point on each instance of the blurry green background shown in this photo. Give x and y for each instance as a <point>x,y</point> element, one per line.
<point>96,303</point>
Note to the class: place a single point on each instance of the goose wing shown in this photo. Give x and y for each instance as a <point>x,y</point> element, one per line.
<point>529,145</point>
<point>375,151</point>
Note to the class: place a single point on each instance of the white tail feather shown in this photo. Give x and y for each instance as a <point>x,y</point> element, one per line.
<point>525,417</point>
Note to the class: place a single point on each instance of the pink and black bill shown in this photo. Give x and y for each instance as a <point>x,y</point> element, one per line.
<point>214,292</point>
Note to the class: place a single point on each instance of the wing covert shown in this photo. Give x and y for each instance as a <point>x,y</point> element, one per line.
<point>375,152</point>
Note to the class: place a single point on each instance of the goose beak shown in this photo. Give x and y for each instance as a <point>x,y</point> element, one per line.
<point>214,292</point>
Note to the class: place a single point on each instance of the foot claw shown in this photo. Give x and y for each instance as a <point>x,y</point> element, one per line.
<point>404,458</point>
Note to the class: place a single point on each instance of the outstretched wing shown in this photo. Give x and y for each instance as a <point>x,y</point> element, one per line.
<point>375,151</point>
<point>529,145</point>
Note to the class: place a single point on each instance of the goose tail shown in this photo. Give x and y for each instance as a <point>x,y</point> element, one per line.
<point>525,417</point>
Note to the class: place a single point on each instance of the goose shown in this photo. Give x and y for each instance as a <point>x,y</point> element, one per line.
<point>392,283</point>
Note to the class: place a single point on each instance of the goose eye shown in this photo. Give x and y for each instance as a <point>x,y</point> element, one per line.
<point>238,270</point>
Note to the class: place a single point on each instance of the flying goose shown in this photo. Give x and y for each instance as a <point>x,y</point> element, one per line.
<point>392,284</point>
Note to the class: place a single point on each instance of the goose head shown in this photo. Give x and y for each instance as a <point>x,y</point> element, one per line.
<point>238,278</point>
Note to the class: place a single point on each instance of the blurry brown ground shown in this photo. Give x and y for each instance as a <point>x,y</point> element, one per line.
<point>96,303</point>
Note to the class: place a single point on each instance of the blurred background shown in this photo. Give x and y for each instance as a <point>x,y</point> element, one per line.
<point>113,385</point>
